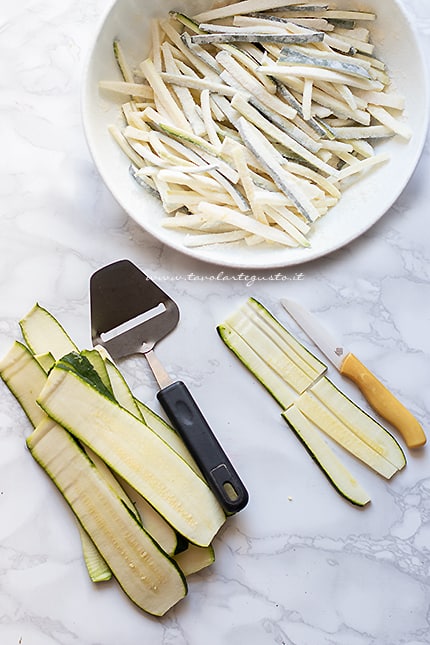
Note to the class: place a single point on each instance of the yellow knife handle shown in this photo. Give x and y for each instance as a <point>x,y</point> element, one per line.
<point>384,402</point>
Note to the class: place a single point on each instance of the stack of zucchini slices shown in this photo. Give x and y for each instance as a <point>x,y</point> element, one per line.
<point>145,514</point>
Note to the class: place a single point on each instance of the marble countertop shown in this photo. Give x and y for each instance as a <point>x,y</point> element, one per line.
<point>300,565</point>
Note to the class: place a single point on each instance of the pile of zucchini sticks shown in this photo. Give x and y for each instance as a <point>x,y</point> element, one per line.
<point>247,120</point>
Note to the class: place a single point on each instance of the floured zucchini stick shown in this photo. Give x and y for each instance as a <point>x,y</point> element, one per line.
<point>258,97</point>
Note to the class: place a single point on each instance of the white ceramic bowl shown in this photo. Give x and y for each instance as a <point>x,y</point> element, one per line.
<point>361,204</point>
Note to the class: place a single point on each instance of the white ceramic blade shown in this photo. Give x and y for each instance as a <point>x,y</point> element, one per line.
<point>334,350</point>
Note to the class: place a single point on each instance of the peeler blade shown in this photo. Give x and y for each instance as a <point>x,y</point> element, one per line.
<point>129,312</point>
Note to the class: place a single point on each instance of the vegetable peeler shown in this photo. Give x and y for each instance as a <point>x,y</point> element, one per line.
<point>129,315</point>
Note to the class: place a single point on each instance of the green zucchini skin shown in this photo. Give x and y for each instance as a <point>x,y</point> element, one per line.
<point>79,364</point>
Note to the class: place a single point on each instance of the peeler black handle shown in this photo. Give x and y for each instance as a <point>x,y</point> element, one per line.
<point>214,464</point>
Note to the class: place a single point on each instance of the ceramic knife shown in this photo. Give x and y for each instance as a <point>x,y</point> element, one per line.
<point>379,397</point>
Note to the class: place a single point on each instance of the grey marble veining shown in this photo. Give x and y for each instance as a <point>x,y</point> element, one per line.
<point>300,565</point>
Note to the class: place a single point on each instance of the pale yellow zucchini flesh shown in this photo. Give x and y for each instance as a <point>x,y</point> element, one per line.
<point>25,378</point>
<point>43,333</point>
<point>195,558</point>
<point>328,421</point>
<point>275,345</point>
<point>282,392</point>
<point>146,574</point>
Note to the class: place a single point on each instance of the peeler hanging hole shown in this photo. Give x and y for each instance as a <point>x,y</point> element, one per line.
<point>230,491</point>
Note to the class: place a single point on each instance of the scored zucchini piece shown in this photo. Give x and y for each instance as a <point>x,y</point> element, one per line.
<point>363,425</point>
<point>134,452</point>
<point>147,575</point>
<point>269,351</point>
<point>323,455</point>
<point>282,364</point>
<point>309,363</point>
<point>266,350</point>
<point>331,425</point>
<point>274,384</point>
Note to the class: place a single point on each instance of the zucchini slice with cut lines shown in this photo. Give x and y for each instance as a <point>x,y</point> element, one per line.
<point>362,424</point>
<point>282,364</point>
<point>328,421</point>
<point>274,384</point>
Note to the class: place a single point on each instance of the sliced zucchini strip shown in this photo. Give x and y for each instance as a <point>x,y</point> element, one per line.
<point>43,333</point>
<point>146,574</point>
<point>195,558</point>
<point>40,325</point>
<point>323,455</point>
<point>309,363</point>
<point>295,378</point>
<point>134,452</point>
<point>25,377</point>
<point>97,567</point>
